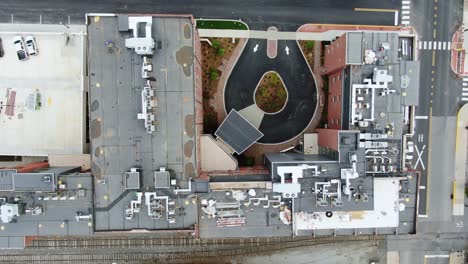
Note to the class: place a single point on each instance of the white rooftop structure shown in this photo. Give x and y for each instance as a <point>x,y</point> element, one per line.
<point>385,213</point>
<point>8,212</point>
<point>142,42</point>
<point>43,98</point>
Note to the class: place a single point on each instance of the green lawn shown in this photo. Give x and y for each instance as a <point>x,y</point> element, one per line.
<point>220,24</point>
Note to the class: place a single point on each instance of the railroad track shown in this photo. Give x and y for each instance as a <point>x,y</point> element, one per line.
<point>169,251</point>
<point>135,241</point>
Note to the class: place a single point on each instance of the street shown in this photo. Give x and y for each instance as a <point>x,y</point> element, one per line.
<point>283,14</point>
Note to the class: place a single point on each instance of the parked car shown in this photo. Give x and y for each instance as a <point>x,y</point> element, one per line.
<point>409,150</point>
<point>20,48</point>
<point>31,45</point>
<point>2,52</point>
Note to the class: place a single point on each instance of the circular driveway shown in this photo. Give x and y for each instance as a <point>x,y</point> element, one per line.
<point>299,81</point>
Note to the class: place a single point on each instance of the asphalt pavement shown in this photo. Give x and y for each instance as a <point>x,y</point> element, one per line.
<point>284,14</point>
<point>300,84</point>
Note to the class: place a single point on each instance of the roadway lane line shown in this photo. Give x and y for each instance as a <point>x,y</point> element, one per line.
<point>396,18</point>
<point>433,58</point>
<point>429,152</point>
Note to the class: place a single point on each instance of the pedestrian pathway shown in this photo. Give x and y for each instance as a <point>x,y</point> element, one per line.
<point>405,12</point>
<point>465,89</point>
<point>435,45</point>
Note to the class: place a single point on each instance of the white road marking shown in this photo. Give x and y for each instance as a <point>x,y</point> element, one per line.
<point>449,44</point>
<point>464,94</point>
<point>444,45</point>
<point>419,159</point>
<point>422,187</point>
<point>465,84</point>
<point>430,44</point>
<point>405,2</point>
<point>465,89</point>
<point>255,48</point>
<point>396,18</point>
<point>421,117</point>
<point>405,22</point>
<point>287,50</point>
<point>405,7</point>
<point>405,12</point>
<point>440,45</point>
<point>425,44</point>
<point>422,215</point>
<point>465,79</point>
<point>420,45</point>
<point>405,17</point>
<point>464,99</point>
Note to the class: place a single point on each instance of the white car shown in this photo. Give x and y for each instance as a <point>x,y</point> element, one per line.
<point>409,150</point>
<point>20,48</point>
<point>31,45</point>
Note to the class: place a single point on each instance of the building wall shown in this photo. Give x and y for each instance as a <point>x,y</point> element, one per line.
<point>335,55</point>
<point>328,138</point>
<point>198,74</point>
<point>335,100</point>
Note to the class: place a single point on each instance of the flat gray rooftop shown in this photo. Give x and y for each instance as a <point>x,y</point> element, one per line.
<point>238,132</point>
<point>118,140</point>
<point>58,218</point>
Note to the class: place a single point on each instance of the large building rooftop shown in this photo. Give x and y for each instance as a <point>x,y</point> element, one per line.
<point>119,140</point>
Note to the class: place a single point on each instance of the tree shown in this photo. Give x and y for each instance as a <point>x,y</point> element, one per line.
<point>220,52</point>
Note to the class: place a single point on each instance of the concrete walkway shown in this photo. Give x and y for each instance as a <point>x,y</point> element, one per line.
<point>279,35</point>
<point>460,161</point>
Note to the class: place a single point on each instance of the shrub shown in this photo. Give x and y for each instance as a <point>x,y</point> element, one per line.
<point>216,44</point>
<point>220,52</point>
<point>309,44</point>
<point>214,74</point>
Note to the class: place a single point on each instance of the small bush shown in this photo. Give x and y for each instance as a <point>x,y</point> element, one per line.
<point>309,44</point>
<point>220,52</point>
<point>214,74</point>
<point>216,44</point>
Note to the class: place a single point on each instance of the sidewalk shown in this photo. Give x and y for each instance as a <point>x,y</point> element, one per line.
<point>460,162</point>
<point>305,32</point>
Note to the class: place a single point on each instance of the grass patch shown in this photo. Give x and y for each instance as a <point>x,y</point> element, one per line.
<point>220,24</point>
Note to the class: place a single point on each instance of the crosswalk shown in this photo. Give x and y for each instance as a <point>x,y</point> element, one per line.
<point>465,89</point>
<point>405,12</point>
<point>434,45</point>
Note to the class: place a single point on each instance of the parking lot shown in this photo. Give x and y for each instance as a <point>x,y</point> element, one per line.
<point>42,99</point>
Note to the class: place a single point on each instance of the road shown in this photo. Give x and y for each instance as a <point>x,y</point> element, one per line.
<point>439,99</point>
<point>286,15</point>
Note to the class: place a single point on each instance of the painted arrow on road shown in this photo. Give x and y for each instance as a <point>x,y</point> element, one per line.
<point>287,50</point>
<point>255,48</point>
